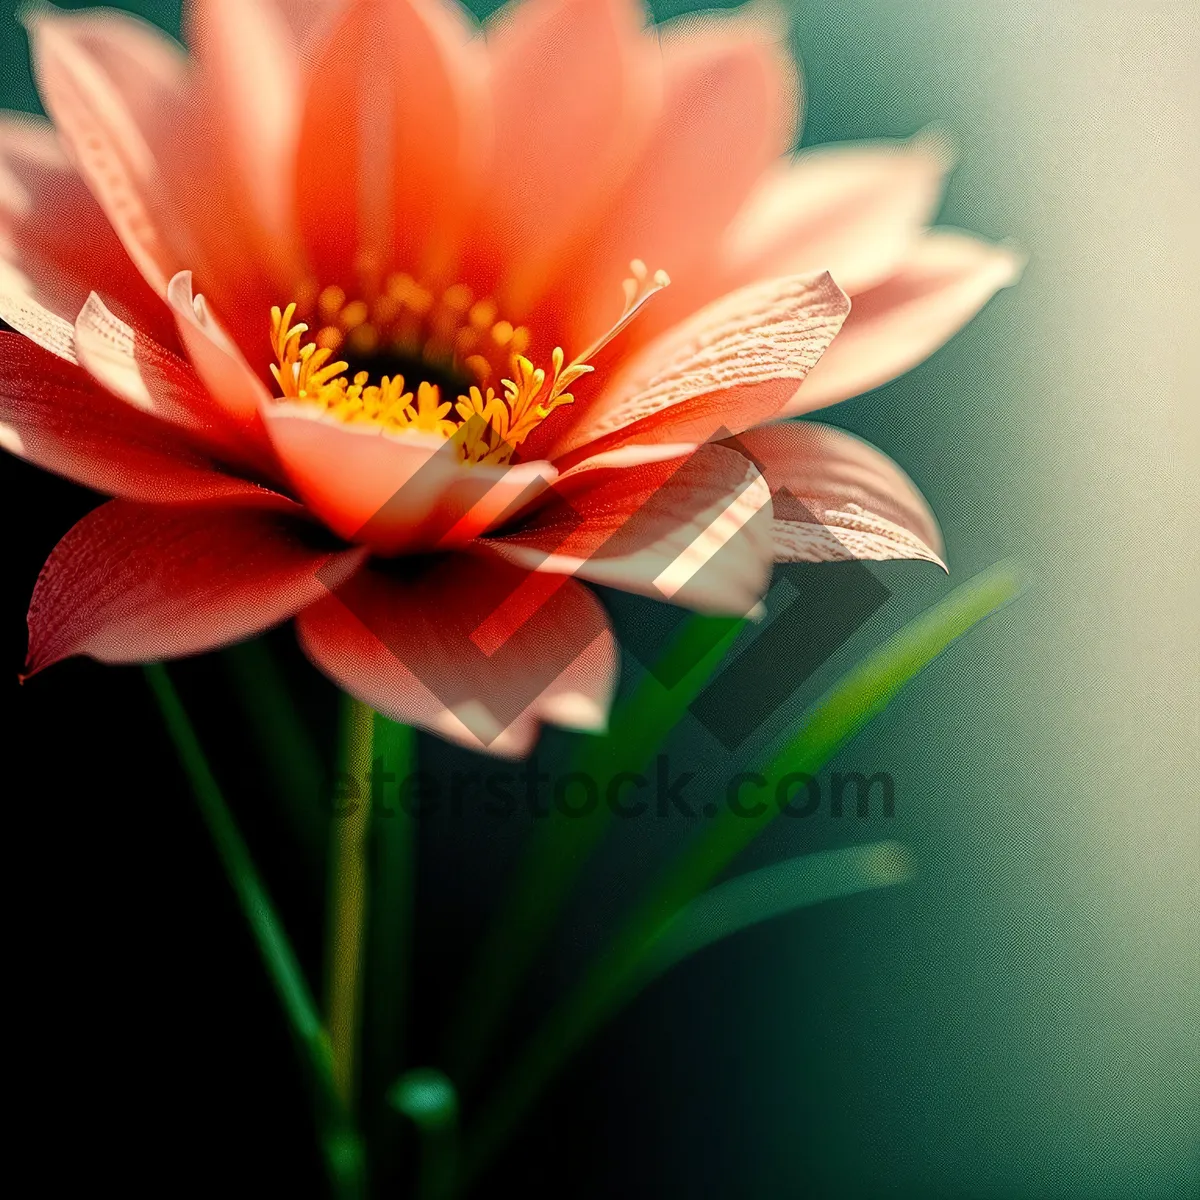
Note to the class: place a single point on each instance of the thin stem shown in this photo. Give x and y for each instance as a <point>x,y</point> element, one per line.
<point>339,1141</point>
<point>617,974</point>
<point>348,897</point>
<point>389,935</point>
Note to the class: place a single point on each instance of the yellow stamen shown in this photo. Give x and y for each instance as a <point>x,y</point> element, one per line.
<point>485,427</point>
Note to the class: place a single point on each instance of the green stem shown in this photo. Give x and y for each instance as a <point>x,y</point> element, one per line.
<point>339,1141</point>
<point>389,936</point>
<point>348,897</point>
<point>616,975</point>
<point>560,847</point>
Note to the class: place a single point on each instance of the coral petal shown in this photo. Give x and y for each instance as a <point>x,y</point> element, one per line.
<point>397,101</point>
<point>850,210</point>
<point>135,582</point>
<point>28,316</point>
<point>835,497</point>
<point>56,238</point>
<point>394,491</point>
<point>219,363</point>
<point>693,529</point>
<point>137,369</point>
<point>101,77</point>
<point>728,111</point>
<point>945,280</point>
<point>730,366</point>
<point>308,20</point>
<point>605,77</point>
<point>250,81</point>
<point>54,414</point>
<point>477,651</point>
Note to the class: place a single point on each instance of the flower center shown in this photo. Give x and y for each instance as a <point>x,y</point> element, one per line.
<point>452,346</point>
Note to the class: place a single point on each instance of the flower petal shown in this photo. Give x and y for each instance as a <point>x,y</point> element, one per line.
<point>392,131</point>
<point>20,309</point>
<point>125,99</point>
<point>229,378</point>
<point>851,210</point>
<point>136,582</point>
<point>100,76</point>
<point>563,160</point>
<point>394,491</point>
<point>55,235</point>
<point>475,650</point>
<point>945,280</point>
<point>308,19</point>
<point>694,529</point>
<point>730,366</point>
<point>728,111</point>
<point>249,83</point>
<point>54,414</point>
<point>835,497</point>
<point>137,369</point>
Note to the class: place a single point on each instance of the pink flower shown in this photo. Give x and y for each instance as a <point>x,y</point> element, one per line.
<point>333,309</point>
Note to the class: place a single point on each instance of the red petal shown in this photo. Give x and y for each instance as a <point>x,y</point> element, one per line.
<point>135,582</point>
<point>54,414</point>
<point>477,651</point>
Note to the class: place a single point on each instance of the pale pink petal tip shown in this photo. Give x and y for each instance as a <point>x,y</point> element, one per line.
<point>837,498</point>
<point>944,281</point>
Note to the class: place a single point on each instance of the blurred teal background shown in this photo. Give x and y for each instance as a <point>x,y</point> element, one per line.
<point>1022,1020</point>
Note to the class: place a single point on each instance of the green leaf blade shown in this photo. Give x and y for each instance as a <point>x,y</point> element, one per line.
<point>339,1140</point>
<point>773,891</point>
<point>835,718</point>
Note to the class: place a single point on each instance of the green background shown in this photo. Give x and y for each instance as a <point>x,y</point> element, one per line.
<point>1021,1020</point>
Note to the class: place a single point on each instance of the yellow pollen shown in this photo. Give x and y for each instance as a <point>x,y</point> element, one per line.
<point>452,329</point>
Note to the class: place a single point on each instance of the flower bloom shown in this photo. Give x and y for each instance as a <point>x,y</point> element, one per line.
<point>361,317</point>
